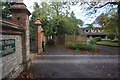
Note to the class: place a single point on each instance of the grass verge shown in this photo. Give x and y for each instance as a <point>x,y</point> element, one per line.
<point>108,43</point>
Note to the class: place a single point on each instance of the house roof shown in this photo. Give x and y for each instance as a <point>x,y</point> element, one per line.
<point>82,31</point>
<point>90,33</point>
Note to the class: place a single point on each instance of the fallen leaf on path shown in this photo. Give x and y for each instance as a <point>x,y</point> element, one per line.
<point>29,75</point>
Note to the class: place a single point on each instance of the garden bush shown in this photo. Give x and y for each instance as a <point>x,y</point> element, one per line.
<point>69,45</point>
<point>111,36</point>
<point>82,46</point>
<point>97,39</point>
<point>94,40</point>
<point>85,47</point>
<point>74,45</point>
<point>93,48</point>
<point>50,42</point>
<point>77,49</point>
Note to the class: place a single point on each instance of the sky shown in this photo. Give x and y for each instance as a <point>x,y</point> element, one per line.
<point>80,14</point>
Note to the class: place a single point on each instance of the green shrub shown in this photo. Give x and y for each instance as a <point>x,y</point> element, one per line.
<point>69,45</point>
<point>94,40</point>
<point>111,36</point>
<point>77,49</point>
<point>85,47</point>
<point>50,42</point>
<point>93,48</point>
<point>81,46</point>
<point>97,39</point>
<point>74,46</point>
<point>77,45</point>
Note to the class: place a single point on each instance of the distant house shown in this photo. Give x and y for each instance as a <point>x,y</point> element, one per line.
<point>95,32</point>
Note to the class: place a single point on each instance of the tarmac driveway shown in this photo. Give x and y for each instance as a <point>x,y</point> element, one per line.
<point>75,66</point>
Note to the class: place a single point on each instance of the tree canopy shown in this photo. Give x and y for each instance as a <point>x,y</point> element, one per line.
<point>110,22</point>
<point>55,18</point>
<point>5,9</point>
<point>92,7</point>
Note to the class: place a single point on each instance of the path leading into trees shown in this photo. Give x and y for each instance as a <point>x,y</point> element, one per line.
<point>58,62</point>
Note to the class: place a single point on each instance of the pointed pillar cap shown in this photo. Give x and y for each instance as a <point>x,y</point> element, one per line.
<point>38,21</point>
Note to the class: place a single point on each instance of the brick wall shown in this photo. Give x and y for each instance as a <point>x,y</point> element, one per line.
<point>75,38</point>
<point>14,54</point>
<point>81,38</point>
<point>68,39</point>
<point>11,64</point>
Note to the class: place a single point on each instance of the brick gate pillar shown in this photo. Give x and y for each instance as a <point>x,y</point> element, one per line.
<point>38,36</point>
<point>20,15</point>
